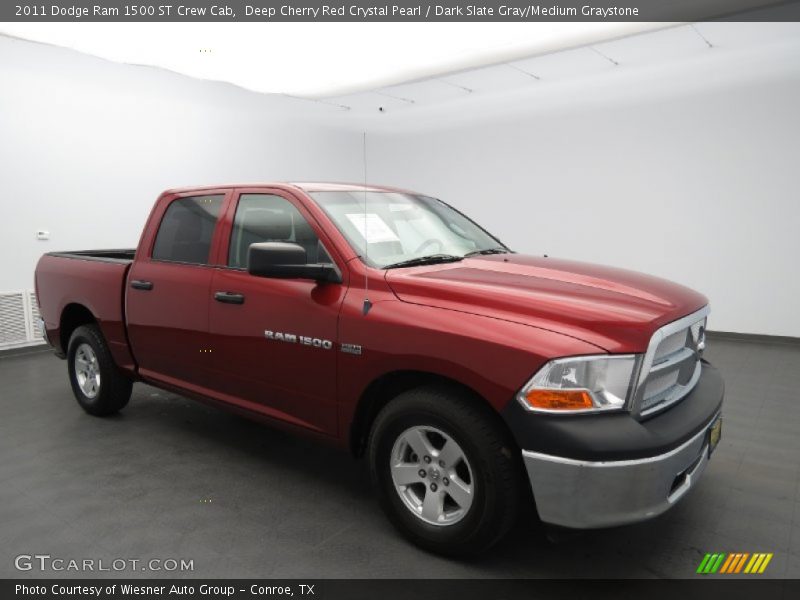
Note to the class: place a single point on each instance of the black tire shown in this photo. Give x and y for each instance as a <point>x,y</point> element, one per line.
<point>494,462</point>
<point>114,389</point>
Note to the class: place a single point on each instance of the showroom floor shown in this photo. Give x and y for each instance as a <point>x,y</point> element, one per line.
<point>171,478</point>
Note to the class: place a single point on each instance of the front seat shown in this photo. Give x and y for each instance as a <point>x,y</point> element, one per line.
<point>262,225</point>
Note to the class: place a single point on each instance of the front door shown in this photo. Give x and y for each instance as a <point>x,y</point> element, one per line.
<point>274,340</point>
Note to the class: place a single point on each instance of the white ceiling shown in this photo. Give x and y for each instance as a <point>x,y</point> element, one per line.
<point>674,47</point>
<point>317,59</point>
<point>673,58</point>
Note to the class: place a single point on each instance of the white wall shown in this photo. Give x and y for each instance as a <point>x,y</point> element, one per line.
<point>687,171</point>
<point>86,146</point>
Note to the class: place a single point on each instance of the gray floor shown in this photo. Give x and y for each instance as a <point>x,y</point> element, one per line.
<point>173,478</point>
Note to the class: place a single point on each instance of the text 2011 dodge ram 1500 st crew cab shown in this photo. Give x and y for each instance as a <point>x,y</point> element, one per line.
<point>388,322</point>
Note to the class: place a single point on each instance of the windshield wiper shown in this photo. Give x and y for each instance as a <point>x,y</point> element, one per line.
<point>487,251</point>
<point>431,259</point>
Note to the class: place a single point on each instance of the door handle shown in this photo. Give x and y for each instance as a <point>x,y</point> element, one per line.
<point>138,284</point>
<point>229,297</point>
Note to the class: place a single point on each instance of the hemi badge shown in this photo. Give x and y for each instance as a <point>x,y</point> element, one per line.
<point>351,349</point>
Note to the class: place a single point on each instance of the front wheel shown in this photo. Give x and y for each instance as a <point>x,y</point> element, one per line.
<point>445,470</point>
<point>98,385</point>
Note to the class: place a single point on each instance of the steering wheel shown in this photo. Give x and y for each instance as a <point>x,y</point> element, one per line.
<point>429,242</point>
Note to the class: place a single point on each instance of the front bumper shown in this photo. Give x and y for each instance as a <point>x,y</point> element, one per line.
<point>589,494</point>
<point>43,329</point>
<point>606,470</point>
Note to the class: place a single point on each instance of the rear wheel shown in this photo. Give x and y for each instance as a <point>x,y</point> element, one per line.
<point>98,385</point>
<point>446,473</point>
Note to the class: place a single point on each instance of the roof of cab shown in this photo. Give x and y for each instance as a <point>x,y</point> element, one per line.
<point>327,186</point>
<point>315,186</point>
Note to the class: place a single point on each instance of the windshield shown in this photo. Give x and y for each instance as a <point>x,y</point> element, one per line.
<point>390,228</point>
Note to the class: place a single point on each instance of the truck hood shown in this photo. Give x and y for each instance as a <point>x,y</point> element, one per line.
<point>614,309</point>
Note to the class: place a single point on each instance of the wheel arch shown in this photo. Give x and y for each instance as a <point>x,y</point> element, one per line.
<point>385,388</point>
<point>73,316</point>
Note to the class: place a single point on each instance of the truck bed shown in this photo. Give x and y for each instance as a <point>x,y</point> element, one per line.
<point>124,255</point>
<point>94,279</point>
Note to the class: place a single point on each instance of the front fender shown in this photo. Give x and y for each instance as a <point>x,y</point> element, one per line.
<point>493,357</point>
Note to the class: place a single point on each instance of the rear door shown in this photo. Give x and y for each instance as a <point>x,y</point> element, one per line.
<point>274,340</point>
<point>168,289</point>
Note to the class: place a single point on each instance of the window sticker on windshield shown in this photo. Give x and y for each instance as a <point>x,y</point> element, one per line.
<point>372,228</point>
<point>401,207</point>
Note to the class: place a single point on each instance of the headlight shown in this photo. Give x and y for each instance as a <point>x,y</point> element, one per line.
<point>582,384</point>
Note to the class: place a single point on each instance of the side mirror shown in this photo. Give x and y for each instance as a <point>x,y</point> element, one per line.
<point>284,260</point>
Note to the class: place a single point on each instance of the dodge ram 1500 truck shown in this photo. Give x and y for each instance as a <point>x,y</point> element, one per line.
<point>478,382</point>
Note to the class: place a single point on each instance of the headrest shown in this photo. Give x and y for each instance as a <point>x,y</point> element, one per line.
<point>269,225</point>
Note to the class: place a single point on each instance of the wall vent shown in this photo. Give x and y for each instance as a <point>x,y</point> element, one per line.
<point>19,320</point>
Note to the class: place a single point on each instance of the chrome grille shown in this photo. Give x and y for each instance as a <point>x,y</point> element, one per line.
<point>670,345</point>
<point>671,366</point>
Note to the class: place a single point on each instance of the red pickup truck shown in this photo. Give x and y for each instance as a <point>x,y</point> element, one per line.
<point>478,382</point>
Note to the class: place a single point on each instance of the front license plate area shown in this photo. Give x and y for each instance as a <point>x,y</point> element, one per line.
<point>714,435</point>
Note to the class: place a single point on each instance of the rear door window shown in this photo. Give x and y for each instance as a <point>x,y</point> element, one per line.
<point>186,230</point>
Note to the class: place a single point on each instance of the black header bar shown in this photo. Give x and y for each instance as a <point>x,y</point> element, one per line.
<point>398,10</point>
<point>702,588</point>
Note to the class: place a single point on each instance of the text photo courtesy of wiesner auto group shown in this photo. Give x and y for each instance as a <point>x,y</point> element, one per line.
<point>341,299</point>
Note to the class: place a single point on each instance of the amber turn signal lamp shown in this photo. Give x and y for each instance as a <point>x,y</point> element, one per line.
<point>559,399</point>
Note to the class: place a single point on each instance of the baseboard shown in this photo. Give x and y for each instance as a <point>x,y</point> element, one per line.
<point>26,349</point>
<point>732,336</point>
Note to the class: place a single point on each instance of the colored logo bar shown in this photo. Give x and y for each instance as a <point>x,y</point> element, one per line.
<point>735,562</point>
